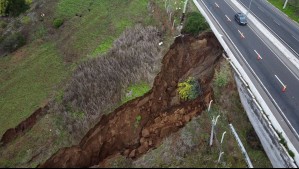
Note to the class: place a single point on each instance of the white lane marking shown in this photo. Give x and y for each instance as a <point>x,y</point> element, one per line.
<point>217,5</point>
<point>241,34</point>
<point>295,38</point>
<point>263,86</point>
<point>258,55</point>
<point>283,85</point>
<point>275,54</point>
<point>228,18</point>
<point>259,8</point>
<point>268,46</point>
<point>275,34</point>
<point>276,22</point>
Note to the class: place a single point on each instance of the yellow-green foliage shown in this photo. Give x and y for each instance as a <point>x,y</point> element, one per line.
<point>189,89</point>
<point>28,2</point>
<point>184,90</point>
<point>3,5</point>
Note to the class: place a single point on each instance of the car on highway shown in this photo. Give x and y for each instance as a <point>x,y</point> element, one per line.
<point>241,18</point>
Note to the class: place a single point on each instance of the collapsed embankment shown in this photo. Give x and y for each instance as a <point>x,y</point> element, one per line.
<point>161,110</point>
<point>24,126</point>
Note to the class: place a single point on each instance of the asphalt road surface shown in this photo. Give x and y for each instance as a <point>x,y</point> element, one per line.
<point>282,26</point>
<point>278,81</point>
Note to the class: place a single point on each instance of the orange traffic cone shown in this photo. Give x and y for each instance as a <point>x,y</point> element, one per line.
<point>284,88</point>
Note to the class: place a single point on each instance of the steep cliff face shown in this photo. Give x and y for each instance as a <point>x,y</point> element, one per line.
<point>160,111</point>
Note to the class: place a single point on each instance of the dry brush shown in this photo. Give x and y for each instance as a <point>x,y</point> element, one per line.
<point>98,84</point>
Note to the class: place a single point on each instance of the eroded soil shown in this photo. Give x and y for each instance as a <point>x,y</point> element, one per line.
<point>161,110</point>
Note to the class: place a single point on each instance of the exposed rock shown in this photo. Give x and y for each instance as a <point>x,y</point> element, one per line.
<point>182,111</point>
<point>173,84</point>
<point>143,148</point>
<point>157,120</point>
<point>187,118</point>
<point>126,152</point>
<point>175,101</point>
<point>167,130</point>
<point>150,142</point>
<point>143,101</point>
<point>145,144</point>
<point>132,154</point>
<point>145,133</point>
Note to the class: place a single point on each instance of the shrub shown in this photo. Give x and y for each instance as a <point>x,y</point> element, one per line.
<point>222,76</point>
<point>138,120</point>
<point>13,42</point>
<point>3,24</point>
<point>57,22</point>
<point>195,24</point>
<point>25,20</point>
<point>291,153</point>
<point>189,89</point>
<point>14,7</point>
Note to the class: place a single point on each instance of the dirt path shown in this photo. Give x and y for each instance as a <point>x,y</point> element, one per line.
<point>161,110</point>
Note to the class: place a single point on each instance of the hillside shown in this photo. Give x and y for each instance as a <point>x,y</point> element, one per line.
<point>93,77</point>
<point>31,74</point>
<point>35,75</point>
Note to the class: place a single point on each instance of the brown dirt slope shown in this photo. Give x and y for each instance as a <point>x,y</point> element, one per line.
<point>161,111</point>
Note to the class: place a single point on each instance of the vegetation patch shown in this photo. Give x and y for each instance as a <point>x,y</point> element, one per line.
<point>135,91</point>
<point>94,25</point>
<point>292,8</point>
<point>97,84</point>
<point>222,76</point>
<point>40,32</point>
<point>194,24</point>
<point>26,82</point>
<point>189,89</point>
<point>13,7</point>
<point>284,143</point>
<point>138,120</point>
<point>57,22</point>
<point>25,20</point>
<point>13,42</point>
<point>104,46</point>
<point>38,144</point>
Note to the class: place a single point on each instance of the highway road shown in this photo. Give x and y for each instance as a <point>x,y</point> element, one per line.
<point>264,63</point>
<point>282,26</point>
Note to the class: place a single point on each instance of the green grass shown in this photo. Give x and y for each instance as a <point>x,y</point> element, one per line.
<point>25,83</point>
<point>104,46</point>
<point>40,32</point>
<point>290,10</point>
<point>137,91</point>
<point>44,139</point>
<point>101,22</point>
<point>25,20</point>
